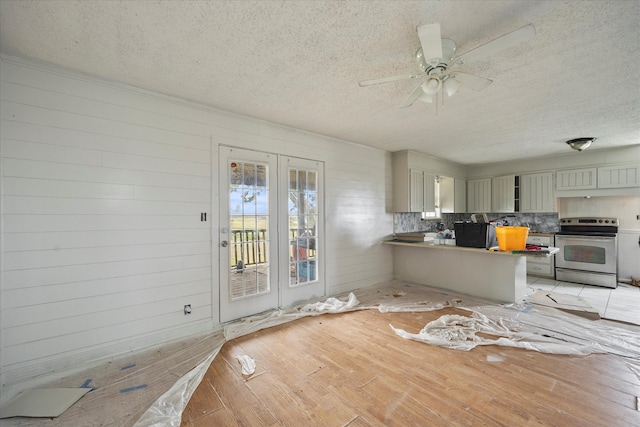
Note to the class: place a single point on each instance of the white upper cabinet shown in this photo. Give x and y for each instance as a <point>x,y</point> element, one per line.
<point>451,194</point>
<point>604,177</point>
<point>536,192</point>
<point>459,195</point>
<point>576,179</point>
<point>503,194</point>
<point>479,195</point>
<point>421,191</point>
<point>619,176</point>
<point>413,191</point>
<point>420,185</point>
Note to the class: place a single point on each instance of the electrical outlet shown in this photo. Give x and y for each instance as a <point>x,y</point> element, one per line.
<point>187,309</point>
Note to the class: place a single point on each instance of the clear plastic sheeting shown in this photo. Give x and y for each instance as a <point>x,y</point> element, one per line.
<point>278,317</point>
<point>247,363</point>
<point>332,305</point>
<point>167,410</point>
<point>125,388</point>
<point>524,326</point>
<point>462,333</point>
<point>420,306</point>
<point>152,388</point>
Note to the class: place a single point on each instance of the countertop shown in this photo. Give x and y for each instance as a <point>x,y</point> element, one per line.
<point>431,245</point>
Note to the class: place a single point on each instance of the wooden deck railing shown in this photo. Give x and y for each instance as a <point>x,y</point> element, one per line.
<point>250,246</point>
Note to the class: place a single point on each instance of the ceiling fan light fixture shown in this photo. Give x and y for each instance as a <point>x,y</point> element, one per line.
<point>580,144</point>
<point>426,97</point>
<point>451,85</point>
<point>436,56</point>
<point>431,86</point>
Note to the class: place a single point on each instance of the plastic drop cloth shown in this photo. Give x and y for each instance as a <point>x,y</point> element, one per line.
<point>331,305</point>
<point>247,363</point>
<point>278,317</point>
<point>167,410</point>
<point>461,333</point>
<point>514,325</point>
<point>545,332</point>
<point>420,306</point>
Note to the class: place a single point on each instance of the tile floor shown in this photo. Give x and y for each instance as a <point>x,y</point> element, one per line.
<point>621,303</point>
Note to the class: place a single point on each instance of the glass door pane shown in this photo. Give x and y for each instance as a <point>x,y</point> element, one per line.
<point>302,270</point>
<point>248,219</point>
<point>303,219</point>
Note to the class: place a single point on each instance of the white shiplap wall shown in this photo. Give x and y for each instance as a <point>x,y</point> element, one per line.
<point>102,189</point>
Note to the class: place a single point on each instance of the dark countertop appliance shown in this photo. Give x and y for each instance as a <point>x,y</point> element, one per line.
<point>475,234</point>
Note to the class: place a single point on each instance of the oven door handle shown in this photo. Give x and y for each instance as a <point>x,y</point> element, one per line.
<point>592,238</point>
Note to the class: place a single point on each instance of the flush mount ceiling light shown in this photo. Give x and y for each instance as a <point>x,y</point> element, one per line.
<point>580,144</point>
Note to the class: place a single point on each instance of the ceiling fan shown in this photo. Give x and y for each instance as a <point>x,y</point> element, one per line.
<point>436,57</point>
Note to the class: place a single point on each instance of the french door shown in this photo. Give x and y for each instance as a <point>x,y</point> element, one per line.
<point>270,232</point>
<point>302,251</point>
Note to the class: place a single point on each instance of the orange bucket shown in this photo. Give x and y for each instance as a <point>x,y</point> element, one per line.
<point>512,238</point>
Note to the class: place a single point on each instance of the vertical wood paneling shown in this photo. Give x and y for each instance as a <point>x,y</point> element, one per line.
<point>356,218</point>
<point>102,190</point>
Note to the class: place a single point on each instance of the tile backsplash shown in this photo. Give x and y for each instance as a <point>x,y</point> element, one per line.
<point>404,222</point>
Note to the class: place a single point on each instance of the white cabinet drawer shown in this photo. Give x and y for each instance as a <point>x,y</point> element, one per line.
<point>540,240</point>
<point>541,266</point>
<point>539,269</point>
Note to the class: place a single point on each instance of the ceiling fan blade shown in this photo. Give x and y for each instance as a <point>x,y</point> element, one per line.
<point>510,39</point>
<point>470,81</point>
<point>429,35</point>
<point>386,80</point>
<point>412,97</point>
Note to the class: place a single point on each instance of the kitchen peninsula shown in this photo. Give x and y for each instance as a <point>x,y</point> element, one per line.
<point>500,276</point>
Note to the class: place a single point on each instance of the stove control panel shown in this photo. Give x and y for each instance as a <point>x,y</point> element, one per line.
<point>589,221</point>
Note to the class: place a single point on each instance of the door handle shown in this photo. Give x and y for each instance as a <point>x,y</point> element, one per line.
<point>224,243</point>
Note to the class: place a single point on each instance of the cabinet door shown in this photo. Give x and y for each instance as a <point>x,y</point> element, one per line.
<point>429,198</point>
<point>536,192</point>
<point>619,176</point>
<point>628,254</point>
<point>460,195</point>
<point>503,193</point>
<point>416,190</point>
<point>576,179</point>
<point>421,191</point>
<point>479,195</point>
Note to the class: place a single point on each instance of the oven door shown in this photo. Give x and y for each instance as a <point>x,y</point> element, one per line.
<point>588,253</point>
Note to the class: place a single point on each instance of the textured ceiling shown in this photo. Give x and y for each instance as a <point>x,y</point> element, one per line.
<point>298,63</point>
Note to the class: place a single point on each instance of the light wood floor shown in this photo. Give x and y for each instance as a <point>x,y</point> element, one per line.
<point>351,369</point>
